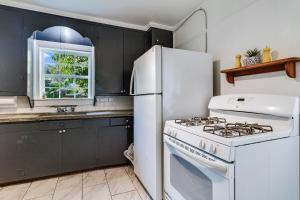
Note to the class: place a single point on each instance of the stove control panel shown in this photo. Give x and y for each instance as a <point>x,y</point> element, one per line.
<point>219,150</point>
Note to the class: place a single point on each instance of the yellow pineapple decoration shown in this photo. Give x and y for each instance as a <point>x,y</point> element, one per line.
<point>238,63</point>
<point>267,55</point>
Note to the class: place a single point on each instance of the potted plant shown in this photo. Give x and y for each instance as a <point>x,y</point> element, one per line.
<point>253,56</point>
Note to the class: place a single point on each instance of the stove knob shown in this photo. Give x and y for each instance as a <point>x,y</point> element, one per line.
<point>213,149</point>
<point>202,145</point>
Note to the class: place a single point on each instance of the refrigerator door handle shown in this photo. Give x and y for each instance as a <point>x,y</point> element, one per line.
<point>131,82</point>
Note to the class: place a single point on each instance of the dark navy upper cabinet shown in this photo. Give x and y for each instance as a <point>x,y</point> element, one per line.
<point>134,47</point>
<point>116,49</point>
<point>160,37</point>
<point>12,65</point>
<point>109,60</point>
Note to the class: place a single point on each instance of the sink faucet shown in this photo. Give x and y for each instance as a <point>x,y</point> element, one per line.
<point>65,109</point>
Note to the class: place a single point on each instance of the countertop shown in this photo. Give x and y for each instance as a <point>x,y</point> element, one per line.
<point>35,117</point>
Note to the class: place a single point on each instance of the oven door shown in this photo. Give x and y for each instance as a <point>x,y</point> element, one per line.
<point>190,174</point>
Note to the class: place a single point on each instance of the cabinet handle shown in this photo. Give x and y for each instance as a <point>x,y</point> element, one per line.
<point>60,131</point>
<point>64,131</point>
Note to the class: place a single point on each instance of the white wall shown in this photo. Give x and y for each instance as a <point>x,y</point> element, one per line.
<point>236,25</point>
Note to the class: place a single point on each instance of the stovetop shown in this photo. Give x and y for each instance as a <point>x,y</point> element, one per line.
<point>219,126</point>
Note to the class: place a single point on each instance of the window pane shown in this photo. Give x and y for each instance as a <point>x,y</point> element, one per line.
<point>52,82</point>
<point>81,71</point>
<point>66,74</point>
<point>52,68</point>
<point>67,58</point>
<point>68,83</point>
<point>82,60</point>
<point>82,83</point>
<point>51,93</point>
<point>49,57</point>
<point>82,93</point>
<point>66,93</point>
<point>66,69</point>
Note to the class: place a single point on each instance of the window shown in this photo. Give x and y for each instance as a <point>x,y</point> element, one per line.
<point>60,68</point>
<point>65,74</point>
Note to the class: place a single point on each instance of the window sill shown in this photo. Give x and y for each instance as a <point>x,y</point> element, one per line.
<point>63,102</point>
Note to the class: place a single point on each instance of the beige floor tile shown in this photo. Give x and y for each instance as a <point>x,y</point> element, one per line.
<point>120,184</point>
<point>69,181</point>
<point>114,172</point>
<point>133,195</point>
<point>140,189</point>
<point>69,193</point>
<point>41,188</point>
<point>93,178</point>
<point>15,192</point>
<point>130,171</point>
<point>49,197</point>
<point>96,192</point>
<point>17,186</point>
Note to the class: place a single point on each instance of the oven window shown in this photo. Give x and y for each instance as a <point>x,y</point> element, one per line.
<point>188,180</point>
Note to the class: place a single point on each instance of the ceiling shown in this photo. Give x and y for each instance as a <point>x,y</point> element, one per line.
<point>137,12</point>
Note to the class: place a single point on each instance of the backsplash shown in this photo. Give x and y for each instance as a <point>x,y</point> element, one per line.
<point>103,103</point>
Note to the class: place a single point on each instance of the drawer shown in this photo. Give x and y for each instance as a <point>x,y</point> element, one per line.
<point>56,125</point>
<point>18,127</point>
<point>120,121</point>
<point>96,122</point>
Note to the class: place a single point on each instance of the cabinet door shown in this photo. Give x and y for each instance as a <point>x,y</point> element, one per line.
<point>13,66</point>
<point>160,37</point>
<point>79,148</point>
<point>109,60</point>
<point>12,145</point>
<point>43,153</point>
<point>134,47</point>
<point>112,142</point>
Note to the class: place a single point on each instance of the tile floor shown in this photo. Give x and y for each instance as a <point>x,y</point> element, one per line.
<point>118,183</point>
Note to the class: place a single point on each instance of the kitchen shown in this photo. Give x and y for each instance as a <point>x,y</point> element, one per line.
<point>51,150</point>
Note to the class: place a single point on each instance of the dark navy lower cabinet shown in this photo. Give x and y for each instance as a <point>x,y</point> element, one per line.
<point>112,142</point>
<point>40,149</point>
<point>12,166</point>
<point>42,153</point>
<point>79,148</point>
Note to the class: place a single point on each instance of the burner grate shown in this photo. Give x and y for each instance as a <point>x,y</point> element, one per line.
<point>198,121</point>
<point>230,130</point>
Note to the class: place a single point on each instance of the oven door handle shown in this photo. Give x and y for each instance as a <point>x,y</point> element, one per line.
<point>213,164</point>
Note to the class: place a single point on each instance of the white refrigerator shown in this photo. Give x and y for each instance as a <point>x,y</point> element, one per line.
<point>166,84</point>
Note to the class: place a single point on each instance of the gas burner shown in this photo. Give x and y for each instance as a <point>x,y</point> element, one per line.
<point>198,121</point>
<point>230,130</point>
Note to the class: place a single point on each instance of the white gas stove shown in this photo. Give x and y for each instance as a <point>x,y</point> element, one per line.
<point>248,148</point>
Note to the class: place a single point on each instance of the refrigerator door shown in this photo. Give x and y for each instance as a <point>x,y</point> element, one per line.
<point>146,74</point>
<point>148,142</point>
<point>187,83</point>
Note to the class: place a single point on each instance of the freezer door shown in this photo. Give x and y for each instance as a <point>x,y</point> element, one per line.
<point>187,83</point>
<point>146,74</point>
<point>148,142</point>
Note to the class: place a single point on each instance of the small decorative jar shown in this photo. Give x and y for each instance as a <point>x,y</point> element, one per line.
<point>238,63</point>
<point>267,55</point>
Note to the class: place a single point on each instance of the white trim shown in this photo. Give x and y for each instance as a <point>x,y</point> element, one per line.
<point>160,26</point>
<point>43,9</point>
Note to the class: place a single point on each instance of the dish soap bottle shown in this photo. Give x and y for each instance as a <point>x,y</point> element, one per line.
<point>238,63</point>
<point>266,54</point>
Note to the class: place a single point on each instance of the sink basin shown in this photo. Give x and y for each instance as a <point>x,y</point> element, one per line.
<point>58,114</point>
<point>100,113</point>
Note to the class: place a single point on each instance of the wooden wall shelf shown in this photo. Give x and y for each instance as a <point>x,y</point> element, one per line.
<point>288,65</point>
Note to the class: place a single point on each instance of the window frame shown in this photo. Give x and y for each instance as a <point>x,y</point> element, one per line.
<point>39,47</point>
